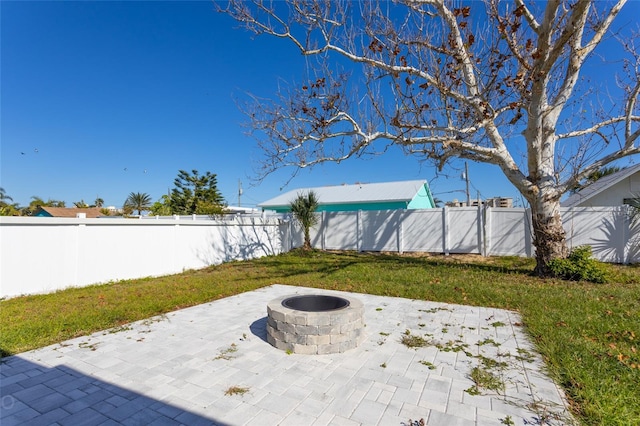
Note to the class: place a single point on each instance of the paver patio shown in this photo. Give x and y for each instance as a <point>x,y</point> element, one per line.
<point>179,368</point>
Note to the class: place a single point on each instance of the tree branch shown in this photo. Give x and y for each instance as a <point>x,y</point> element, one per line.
<point>596,127</point>
<point>531,20</point>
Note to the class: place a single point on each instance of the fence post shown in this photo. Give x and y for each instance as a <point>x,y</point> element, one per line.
<point>626,231</point>
<point>445,230</point>
<point>358,230</point>
<point>528,235</point>
<point>323,221</point>
<point>400,235</point>
<point>486,230</point>
<point>480,228</point>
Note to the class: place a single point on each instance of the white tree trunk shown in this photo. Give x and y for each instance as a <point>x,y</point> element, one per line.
<point>548,233</point>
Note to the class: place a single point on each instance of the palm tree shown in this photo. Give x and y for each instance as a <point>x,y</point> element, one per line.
<point>7,209</point>
<point>99,202</point>
<point>33,205</point>
<point>37,202</point>
<point>303,209</point>
<point>139,201</point>
<point>4,196</point>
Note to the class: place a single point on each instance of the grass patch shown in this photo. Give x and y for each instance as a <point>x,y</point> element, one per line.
<point>587,333</point>
<point>226,353</point>
<point>484,379</point>
<point>413,341</point>
<point>428,364</point>
<point>236,390</point>
<point>454,346</point>
<point>507,421</point>
<point>488,342</point>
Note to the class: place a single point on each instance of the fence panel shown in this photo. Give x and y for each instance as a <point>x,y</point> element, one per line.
<point>464,226</point>
<point>605,229</point>
<point>508,232</point>
<point>380,230</point>
<point>422,231</point>
<point>37,258</point>
<point>133,251</point>
<point>340,230</point>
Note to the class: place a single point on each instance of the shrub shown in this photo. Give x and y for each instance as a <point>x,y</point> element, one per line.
<point>579,266</point>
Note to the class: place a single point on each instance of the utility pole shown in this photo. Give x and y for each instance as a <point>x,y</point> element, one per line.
<point>466,177</point>
<point>239,191</point>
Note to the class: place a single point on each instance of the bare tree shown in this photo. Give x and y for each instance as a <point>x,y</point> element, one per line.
<point>500,82</point>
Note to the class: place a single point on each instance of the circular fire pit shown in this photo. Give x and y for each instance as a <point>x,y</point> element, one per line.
<point>315,303</point>
<point>315,323</point>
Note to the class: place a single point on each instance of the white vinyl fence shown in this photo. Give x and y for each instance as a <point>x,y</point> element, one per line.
<point>46,254</point>
<point>489,232</point>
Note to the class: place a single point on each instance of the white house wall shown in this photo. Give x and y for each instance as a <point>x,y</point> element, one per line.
<point>614,195</point>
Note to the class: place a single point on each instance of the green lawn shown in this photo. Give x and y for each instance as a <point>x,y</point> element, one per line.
<point>587,333</point>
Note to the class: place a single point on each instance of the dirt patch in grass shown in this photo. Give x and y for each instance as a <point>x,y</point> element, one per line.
<point>458,258</point>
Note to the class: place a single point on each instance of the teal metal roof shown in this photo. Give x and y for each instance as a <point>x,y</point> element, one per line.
<point>361,196</point>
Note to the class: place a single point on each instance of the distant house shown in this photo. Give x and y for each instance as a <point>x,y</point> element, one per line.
<point>506,202</point>
<point>91,212</point>
<point>612,190</point>
<point>413,194</point>
<point>241,210</point>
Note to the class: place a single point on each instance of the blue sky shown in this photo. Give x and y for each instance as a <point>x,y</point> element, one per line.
<point>100,99</point>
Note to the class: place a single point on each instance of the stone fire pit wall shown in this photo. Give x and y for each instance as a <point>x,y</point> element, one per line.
<point>323,332</point>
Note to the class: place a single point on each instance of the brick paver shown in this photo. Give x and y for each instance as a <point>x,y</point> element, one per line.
<point>182,368</point>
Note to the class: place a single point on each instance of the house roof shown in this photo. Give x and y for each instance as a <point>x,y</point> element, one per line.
<point>356,193</point>
<point>91,212</point>
<point>599,186</point>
